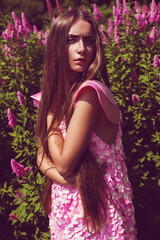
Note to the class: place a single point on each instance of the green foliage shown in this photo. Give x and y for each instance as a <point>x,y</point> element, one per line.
<point>140,123</point>
<point>21,61</point>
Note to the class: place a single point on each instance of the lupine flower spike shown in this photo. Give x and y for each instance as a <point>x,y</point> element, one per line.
<point>50,8</point>
<point>11,118</point>
<point>59,8</point>
<point>97,14</point>
<point>156,61</point>
<point>20,98</point>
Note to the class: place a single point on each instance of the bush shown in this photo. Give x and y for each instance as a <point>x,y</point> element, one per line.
<point>132,46</point>
<point>133,43</point>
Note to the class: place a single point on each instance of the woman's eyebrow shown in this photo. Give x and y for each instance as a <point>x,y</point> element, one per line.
<point>78,35</point>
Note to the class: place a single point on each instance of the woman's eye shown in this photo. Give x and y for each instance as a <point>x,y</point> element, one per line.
<point>71,40</point>
<point>90,40</point>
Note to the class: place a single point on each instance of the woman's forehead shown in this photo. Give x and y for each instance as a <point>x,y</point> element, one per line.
<point>81,27</point>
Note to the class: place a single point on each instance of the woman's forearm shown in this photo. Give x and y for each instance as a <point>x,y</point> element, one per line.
<point>48,168</point>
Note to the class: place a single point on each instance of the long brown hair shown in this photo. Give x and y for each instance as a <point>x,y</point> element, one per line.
<point>55,98</point>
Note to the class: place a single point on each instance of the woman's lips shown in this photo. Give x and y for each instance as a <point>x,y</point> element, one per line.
<point>80,60</point>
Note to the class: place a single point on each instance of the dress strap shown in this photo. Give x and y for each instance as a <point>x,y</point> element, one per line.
<point>36,98</point>
<point>106,99</point>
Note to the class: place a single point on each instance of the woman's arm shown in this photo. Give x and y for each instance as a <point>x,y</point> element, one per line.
<point>66,155</point>
<point>48,168</point>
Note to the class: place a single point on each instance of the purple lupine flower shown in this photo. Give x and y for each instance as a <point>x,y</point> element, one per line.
<point>50,8</point>
<point>18,169</point>
<point>119,7</point>
<point>13,217</point>
<point>134,75</point>
<point>1,81</point>
<point>20,98</point>
<point>53,19</point>
<point>125,4</point>
<point>125,8</point>
<point>104,39</point>
<point>11,30</point>
<point>5,36</point>
<point>40,34</point>
<point>137,7</point>
<point>110,29</point>
<point>35,30</point>
<point>11,118</point>
<point>116,34</point>
<point>25,22</point>
<point>156,61</point>
<point>145,10</point>
<point>153,33</point>
<point>59,8</point>
<point>16,20</point>
<point>135,99</point>
<point>153,11</point>
<point>97,14</point>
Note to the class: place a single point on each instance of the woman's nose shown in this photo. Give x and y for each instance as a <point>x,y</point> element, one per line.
<point>81,46</point>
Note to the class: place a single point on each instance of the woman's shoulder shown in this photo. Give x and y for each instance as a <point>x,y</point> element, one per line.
<point>105,97</point>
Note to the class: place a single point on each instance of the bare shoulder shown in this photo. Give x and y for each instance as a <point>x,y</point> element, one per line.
<point>89,95</point>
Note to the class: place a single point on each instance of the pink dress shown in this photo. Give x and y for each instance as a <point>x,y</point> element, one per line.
<point>66,217</point>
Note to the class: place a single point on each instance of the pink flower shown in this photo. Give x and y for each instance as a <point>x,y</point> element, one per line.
<point>153,33</point>
<point>50,8</point>
<point>156,61</point>
<point>137,7</point>
<point>25,22</point>
<point>134,75</point>
<point>116,34</point>
<point>13,216</point>
<point>119,7</point>
<point>20,98</point>
<point>11,118</point>
<point>16,20</point>
<point>135,99</point>
<point>1,81</point>
<point>35,30</point>
<point>97,14</point>
<point>122,60</point>
<point>110,29</point>
<point>104,39</point>
<point>59,8</point>
<point>18,169</point>
<point>145,10</point>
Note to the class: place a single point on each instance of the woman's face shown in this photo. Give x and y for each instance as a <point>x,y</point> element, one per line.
<point>81,47</point>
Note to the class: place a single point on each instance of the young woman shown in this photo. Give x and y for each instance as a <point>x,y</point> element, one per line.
<point>87,194</point>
